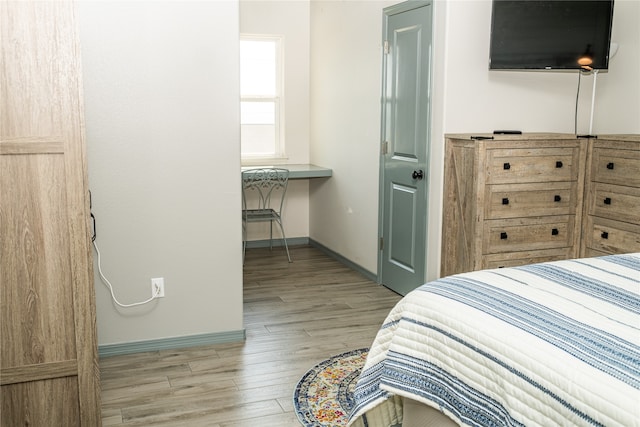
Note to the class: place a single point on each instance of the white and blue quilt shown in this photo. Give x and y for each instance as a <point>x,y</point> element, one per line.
<point>551,344</point>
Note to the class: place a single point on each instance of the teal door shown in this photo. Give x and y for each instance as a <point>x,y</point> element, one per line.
<point>405,147</point>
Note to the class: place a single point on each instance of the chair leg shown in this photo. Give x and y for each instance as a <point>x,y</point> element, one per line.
<point>284,238</point>
<point>244,241</point>
<point>271,235</point>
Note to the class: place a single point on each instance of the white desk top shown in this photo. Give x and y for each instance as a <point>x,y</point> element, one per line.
<point>298,171</point>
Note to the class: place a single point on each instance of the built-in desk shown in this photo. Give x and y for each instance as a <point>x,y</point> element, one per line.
<point>298,171</point>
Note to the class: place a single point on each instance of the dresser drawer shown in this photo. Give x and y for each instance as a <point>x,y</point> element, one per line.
<point>520,234</point>
<point>615,202</point>
<point>513,259</point>
<point>620,167</point>
<point>532,165</point>
<point>610,236</point>
<point>526,200</point>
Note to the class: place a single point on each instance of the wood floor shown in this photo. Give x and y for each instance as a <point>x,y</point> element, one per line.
<point>295,315</point>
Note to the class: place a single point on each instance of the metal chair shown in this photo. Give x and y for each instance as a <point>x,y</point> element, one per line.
<point>268,185</point>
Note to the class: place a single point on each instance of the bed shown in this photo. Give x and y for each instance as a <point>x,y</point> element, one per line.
<point>550,344</point>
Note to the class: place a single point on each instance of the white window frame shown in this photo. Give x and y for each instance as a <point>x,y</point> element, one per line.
<point>278,101</point>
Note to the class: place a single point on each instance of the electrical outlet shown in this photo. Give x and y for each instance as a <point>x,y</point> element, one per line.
<point>157,287</point>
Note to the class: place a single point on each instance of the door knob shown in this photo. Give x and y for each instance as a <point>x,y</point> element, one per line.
<point>419,174</point>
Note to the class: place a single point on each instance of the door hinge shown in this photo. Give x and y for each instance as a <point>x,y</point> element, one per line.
<point>385,47</point>
<point>384,148</point>
<point>381,243</point>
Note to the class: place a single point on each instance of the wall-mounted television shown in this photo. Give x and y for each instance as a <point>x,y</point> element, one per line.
<point>550,34</point>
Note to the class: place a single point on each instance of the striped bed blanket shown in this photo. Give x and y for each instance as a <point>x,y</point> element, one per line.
<point>550,344</point>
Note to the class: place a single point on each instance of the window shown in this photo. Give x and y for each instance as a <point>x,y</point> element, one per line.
<point>261,110</point>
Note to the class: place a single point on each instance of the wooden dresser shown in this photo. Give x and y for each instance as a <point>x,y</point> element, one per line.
<point>612,196</point>
<point>518,199</point>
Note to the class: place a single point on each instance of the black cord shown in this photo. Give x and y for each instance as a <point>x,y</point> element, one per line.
<point>93,218</point>
<point>575,120</point>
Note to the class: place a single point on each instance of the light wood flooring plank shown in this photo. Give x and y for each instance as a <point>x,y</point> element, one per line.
<point>295,314</point>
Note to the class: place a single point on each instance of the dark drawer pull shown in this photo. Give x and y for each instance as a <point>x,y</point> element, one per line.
<point>505,200</point>
<point>554,232</point>
<point>607,201</point>
<point>506,166</point>
<point>604,235</point>
<point>557,198</point>
<point>610,165</point>
<point>503,235</point>
<point>558,164</point>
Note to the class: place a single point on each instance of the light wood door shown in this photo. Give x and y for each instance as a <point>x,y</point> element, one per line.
<point>48,354</point>
<point>405,130</point>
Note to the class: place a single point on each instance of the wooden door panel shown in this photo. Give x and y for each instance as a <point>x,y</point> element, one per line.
<point>49,364</point>
<point>42,404</point>
<point>36,259</point>
<point>35,87</point>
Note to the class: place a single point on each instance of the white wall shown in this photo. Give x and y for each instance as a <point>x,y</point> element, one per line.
<point>345,91</point>
<point>534,101</point>
<point>617,108</point>
<point>289,19</point>
<point>345,126</point>
<point>162,124</point>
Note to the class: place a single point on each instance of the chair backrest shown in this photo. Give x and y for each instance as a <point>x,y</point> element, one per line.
<point>265,182</point>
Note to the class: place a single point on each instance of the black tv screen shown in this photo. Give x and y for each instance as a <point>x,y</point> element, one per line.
<point>550,34</point>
